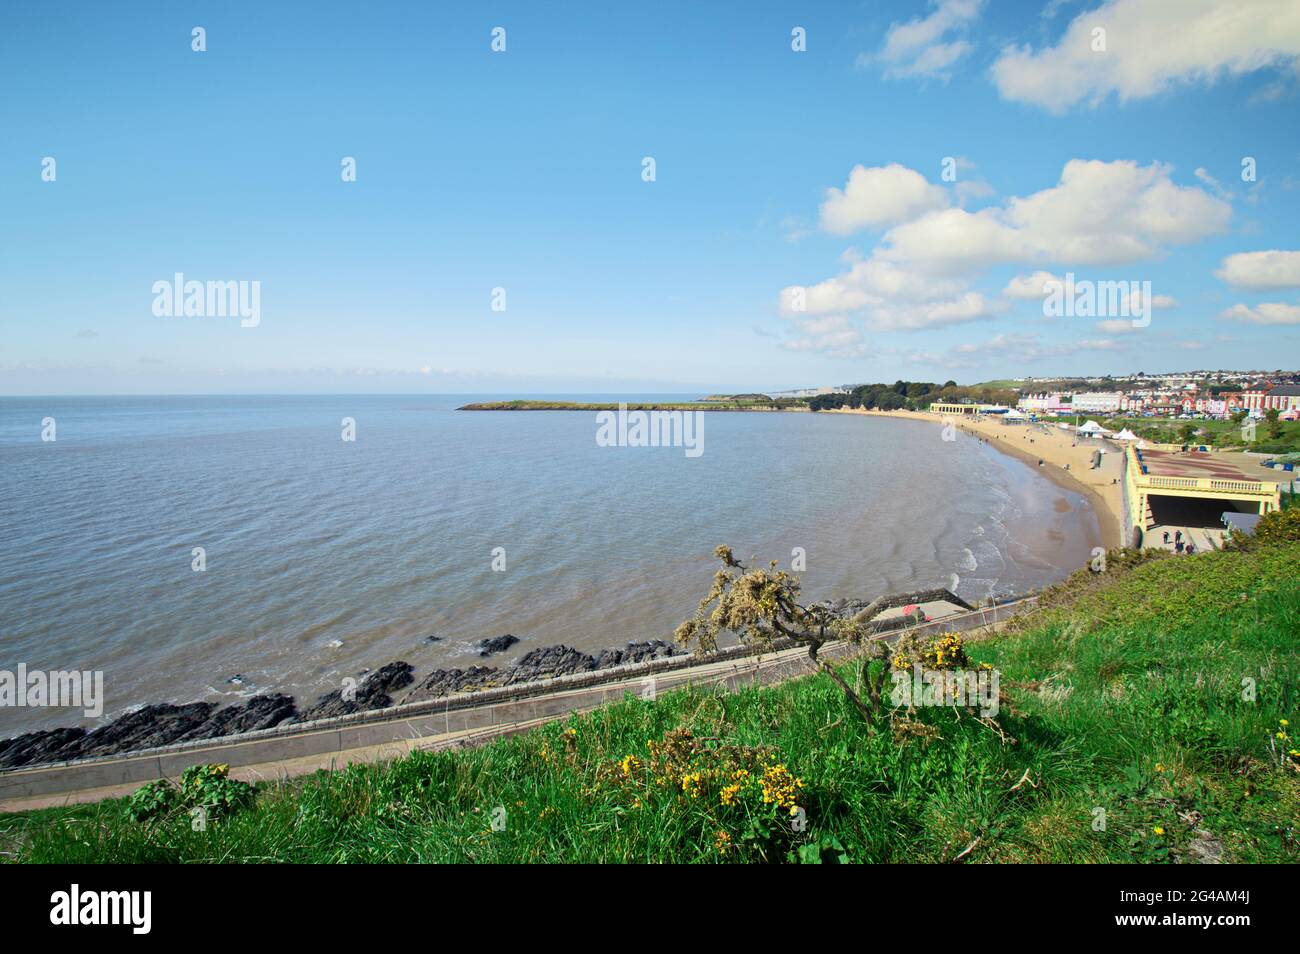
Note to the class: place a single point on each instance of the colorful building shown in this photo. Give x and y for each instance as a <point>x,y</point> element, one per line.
<point>1281,397</point>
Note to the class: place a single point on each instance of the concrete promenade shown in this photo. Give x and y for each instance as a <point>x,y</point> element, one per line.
<point>460,720</point>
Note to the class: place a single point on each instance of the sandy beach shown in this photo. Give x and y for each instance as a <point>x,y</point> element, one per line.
<point>1063,460</point>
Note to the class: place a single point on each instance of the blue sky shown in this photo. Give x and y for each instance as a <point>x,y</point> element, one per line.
<point>523,170</point>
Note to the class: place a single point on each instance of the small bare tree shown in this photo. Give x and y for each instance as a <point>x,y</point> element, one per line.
<point>762,605</point>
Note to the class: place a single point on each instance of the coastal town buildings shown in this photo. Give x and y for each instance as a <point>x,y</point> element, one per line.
<point>1097,402</point>
<point>1211,395</point>
<point>1051,402</point>
<point>1282,397</point>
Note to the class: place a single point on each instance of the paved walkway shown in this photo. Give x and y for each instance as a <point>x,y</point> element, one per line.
<point>376,737</point>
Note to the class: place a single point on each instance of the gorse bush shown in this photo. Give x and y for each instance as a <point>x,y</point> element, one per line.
<point>741,796</point>
<point>1279,526</point>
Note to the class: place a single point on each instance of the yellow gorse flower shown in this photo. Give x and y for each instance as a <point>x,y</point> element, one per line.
<point>779,786</point>
<point>691,784</point>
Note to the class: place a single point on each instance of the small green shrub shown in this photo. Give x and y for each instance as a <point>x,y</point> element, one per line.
<point>152,801</point>
<point>211,788</point>
<point>208,787</point>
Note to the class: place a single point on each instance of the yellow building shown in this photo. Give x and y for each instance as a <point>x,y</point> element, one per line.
<point>1166,486</point>
<point>940,408</point>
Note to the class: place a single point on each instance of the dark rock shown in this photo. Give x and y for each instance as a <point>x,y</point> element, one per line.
<point>41,746</point>
<point>442,682</point>
<point>144,728</point>
<point>549,661</point>
<point>373,693</point>
<point>497,644</point>
<point>158,725</point>
<point>546,662</point>
<point>635,653</point>
<point>259,712</point>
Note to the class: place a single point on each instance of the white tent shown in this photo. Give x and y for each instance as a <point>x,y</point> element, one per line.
<point>1126,435</point>
<point>1092,428</point>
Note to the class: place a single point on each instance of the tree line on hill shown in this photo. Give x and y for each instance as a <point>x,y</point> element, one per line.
<point>910,395</point>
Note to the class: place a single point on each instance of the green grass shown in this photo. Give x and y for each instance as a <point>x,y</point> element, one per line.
<point>1124,696</point>
<point>1222,434</point>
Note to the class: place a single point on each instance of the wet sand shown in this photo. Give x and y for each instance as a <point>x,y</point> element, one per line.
<point>1051,445</point>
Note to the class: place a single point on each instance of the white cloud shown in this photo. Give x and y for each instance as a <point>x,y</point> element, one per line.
<point>1259,271</point>
<point>1151,46</point>
<point>1116,326</point>
<point>971,190</point>
<point>919,48</point>
<point>971,306</point>
<point>890,297</point>
<point>833,335</point>
<point>880,195</point>
<point>1268,313</point>
<point>1099,213</point>
<point>1204,176</point>
<point>1026,287</point>
<point>919,275</point>
<point>1157,301</point>
<point>867,283</point>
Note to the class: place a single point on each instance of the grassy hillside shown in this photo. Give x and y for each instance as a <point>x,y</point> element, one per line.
<point>1150,698</point>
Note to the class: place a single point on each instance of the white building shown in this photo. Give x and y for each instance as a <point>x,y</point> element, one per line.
<point>1039,402</point>
<point>1097,402</point>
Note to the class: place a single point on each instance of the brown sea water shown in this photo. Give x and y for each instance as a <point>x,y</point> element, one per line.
<point>326,557</point>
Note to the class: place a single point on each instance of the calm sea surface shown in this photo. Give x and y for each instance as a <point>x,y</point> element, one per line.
<point>326,557</point>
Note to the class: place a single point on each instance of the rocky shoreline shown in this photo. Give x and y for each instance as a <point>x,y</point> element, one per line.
<point>164,724</point>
